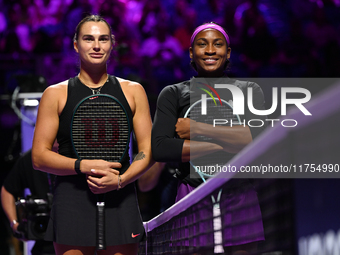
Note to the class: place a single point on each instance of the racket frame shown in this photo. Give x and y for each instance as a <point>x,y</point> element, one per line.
<point>100,206</point>
<point>217,221</point>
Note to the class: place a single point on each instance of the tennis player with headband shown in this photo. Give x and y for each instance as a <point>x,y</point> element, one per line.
<point>72,226</point>
<point>209,52</point>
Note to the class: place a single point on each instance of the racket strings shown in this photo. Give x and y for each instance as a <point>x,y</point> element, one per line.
<point>100,129</point>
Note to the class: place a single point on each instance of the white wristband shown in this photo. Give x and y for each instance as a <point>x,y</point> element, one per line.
<point>13,223</point>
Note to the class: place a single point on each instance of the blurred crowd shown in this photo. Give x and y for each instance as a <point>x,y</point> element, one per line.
<point>269,38</point>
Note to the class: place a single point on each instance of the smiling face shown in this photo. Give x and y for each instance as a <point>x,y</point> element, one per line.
<point>210,52</point>
<point>94,43</point>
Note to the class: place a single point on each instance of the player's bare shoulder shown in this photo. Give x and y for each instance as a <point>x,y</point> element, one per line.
<point>56,90</point>
<point>131,86</point>
<point>132,89</point>
<point>134,93</point>
<point>55,96</point>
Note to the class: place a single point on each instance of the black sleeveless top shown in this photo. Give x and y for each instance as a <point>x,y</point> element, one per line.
<point>75,93</point>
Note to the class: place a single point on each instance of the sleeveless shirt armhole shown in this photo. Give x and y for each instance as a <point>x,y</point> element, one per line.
<point>70,84</point>
<point>120,86</point>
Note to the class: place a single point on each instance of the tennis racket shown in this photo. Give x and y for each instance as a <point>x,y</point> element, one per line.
<point>100,129</point>
<point>215,109</point>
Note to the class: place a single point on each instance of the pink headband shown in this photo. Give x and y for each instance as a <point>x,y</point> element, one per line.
<point>206,26</point>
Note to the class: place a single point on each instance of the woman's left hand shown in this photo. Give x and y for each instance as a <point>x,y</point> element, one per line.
<point>102,181</point>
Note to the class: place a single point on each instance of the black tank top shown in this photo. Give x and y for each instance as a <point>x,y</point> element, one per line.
<point>77,91</point>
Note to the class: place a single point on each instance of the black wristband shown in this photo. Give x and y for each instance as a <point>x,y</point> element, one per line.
<point>77,166</point>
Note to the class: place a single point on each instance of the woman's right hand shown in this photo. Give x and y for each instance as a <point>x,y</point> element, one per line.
<point>99,165</point>
<point>101,175</point>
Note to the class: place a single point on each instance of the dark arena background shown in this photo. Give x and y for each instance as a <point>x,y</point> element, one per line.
<point>270,40</point>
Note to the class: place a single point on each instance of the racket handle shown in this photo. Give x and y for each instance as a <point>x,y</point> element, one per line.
<point>100,242</point>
